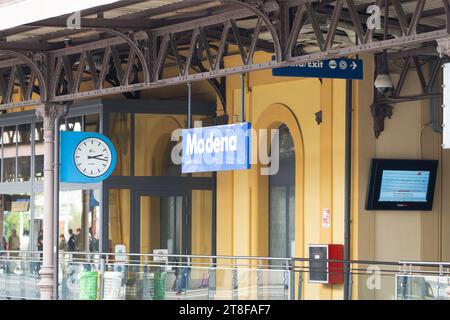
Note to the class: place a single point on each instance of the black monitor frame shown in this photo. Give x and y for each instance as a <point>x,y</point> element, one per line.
<point>374,184</point>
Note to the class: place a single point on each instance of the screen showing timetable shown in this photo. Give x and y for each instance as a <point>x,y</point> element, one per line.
<point>404,186</point>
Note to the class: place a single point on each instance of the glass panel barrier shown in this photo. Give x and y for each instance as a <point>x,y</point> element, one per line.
<point>114,276</point>
<point>18,276</point>
<point>421,287</point>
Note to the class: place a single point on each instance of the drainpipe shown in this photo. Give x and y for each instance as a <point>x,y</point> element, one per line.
<point>58,118</point>
<point>347,212</point>
<point>243,97</point>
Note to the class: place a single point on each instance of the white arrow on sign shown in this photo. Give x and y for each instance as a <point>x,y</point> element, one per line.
<point>354,65</point>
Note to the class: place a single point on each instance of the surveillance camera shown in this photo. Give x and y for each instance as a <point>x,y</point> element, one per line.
<point>383,83</point>
<point>67,41</point>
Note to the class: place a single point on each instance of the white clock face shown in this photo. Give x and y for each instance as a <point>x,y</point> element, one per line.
<point>92,157</point>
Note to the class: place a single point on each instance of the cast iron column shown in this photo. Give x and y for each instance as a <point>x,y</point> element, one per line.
<point>48,112</point>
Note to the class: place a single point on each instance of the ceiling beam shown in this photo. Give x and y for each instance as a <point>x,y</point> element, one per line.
<point>86,12</point>
<point>246,40</point>
<point>429,13</point>
<point>345,15</point>
<point>30,45</point>
<point>128,24</point>
<point>131,16</point>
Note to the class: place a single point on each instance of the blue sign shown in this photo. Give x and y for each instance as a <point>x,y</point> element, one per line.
<point>217,148</point>
<point>86,157</point>
<point>333,68</point>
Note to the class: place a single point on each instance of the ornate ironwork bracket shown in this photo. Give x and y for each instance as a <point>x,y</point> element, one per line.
<point>27,72</point>
<point>380,112</point>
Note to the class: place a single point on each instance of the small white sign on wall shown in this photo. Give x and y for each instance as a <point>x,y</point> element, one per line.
<point>120,257</point>
<point>120,252</point>
<point>326,218</point>
<point>160,255</point>
<point>446,106</point>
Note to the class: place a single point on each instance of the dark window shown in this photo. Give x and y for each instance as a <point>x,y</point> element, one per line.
<point>39,150</point>
<point>282,199</point>
<point>9,153</point>
<point>24,152</point>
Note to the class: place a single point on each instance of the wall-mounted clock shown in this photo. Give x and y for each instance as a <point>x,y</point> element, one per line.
<point>92,157</point>
<point>86,157</point>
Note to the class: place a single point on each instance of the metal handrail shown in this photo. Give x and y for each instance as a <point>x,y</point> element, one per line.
<point>283,268</point>
<point>425,263</point>
<point>179,255</point>
<point>228,257</point>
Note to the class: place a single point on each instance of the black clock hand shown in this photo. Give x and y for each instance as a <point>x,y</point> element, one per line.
<point>95,157</point>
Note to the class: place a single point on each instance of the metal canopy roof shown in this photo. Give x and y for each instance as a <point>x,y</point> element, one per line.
<point>124,46</point>
<point>147,14</point>
<point>18,12</point>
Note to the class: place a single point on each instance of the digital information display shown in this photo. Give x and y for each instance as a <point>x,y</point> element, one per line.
<point>404,186</point>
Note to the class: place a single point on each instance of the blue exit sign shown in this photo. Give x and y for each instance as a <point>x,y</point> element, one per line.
<point>333,68</point>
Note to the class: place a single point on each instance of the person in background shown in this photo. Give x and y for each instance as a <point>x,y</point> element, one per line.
<point>24,249</point>
<point>182,284</point>
<point>14,242</point>
<point>71,242</point>
<point>40,247</point>
<point>4,244</point>
<point>79,247</point>
<point>93,242</point>
<point>78,240</point>
<point>71,247</point>
<point>40,240</point>
<point>14,245</point>
<point>62,243</point>
<point>25,242</point>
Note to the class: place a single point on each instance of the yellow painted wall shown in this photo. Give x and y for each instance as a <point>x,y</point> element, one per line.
<point>391,235</point>
<point>376,236</point>
<point>242,203</point>
<point>242,210</point>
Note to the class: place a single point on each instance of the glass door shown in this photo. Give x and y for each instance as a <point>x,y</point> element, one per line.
<point>180,223</point>
<point>162,224</point>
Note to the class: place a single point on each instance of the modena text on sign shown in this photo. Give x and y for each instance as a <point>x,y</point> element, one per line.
<point>217,148</point>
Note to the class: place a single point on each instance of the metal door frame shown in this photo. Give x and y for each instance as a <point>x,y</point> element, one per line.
<point>135,218</point>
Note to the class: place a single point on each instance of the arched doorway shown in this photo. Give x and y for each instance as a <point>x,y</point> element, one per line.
<point>282,199</point>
